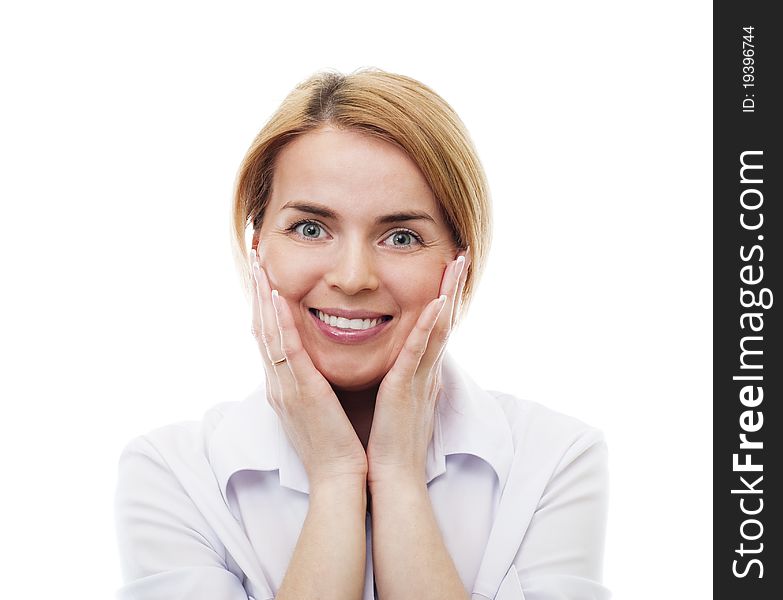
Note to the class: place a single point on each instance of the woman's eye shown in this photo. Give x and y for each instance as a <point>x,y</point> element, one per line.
<point>308,229</point>
<point>403,238</point>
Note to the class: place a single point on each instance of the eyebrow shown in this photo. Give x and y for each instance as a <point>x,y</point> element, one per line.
<point>328,213</point>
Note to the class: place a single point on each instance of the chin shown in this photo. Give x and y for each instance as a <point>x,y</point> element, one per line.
<point>352,385</point>
<point>351,379</point>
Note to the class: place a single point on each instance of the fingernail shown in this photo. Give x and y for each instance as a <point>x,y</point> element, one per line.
<point>275,299</point>
<point>441,303</point>
<point>460,264</point>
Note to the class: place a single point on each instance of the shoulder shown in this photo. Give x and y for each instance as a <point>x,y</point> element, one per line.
<point>167,496</point>
<point>528,442</point>
<point>532,423</point>
<point>167,471</point>
<point>180,443</point>
<point>556,501</point>
<point>553,502</point>
<point>187,438</point>
<point>548,443</point>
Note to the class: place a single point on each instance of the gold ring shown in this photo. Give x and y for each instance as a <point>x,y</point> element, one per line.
<point>277,362</point>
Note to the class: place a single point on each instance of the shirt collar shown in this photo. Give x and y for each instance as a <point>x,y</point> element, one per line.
<point>468,420</point>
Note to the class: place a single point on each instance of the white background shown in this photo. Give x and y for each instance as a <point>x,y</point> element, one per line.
<point>122,128</point>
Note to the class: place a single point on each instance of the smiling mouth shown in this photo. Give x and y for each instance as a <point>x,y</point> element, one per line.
<point>349,324</point>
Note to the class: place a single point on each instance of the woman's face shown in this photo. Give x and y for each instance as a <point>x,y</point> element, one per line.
<point>352,225</point>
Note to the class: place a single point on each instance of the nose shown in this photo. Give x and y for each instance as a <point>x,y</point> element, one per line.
<point>353,270</point>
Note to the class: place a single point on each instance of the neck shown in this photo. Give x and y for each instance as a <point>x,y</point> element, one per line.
<point>359,406</point>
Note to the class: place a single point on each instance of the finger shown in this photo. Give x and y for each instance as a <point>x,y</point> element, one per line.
<point>454,289</point>
<point>257,328</point>
<point>450,287</point>
<point>272,386</point>
<point>416,344</point>
<point>463,280</point>
<point>289,343</point>
<point>299,368</point>
<point>270,337</point>
<point>457,309</point>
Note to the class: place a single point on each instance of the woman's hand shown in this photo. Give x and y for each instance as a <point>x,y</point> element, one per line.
<point>404,415</point>
<point>307,406</point>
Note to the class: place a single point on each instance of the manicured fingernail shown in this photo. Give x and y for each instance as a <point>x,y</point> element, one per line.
<point>460,264</point>
<point>440,304</point>
<point>275,299</point>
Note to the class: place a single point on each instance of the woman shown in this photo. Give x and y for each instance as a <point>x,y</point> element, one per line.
<point>368,464</point>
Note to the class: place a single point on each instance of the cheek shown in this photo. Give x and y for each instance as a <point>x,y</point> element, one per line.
<point>414,286</point>
<point>293,276</point>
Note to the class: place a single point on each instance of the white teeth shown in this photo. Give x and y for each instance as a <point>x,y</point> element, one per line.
<point>343,323</point>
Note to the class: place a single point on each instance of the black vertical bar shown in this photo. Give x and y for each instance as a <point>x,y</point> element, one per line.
<point>748,545</point>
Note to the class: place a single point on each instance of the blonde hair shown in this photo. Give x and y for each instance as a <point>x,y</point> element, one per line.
<point>394,108</point>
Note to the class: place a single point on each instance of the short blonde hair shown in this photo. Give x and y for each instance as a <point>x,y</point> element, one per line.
<point>394,108</point>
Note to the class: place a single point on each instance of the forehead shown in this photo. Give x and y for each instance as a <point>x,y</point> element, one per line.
<point>350,171</point>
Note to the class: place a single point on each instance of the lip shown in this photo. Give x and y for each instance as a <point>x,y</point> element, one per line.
<point>348,336</point>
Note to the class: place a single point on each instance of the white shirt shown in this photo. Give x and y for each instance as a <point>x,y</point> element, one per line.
<point>212,510</point>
